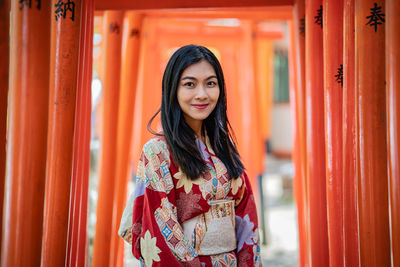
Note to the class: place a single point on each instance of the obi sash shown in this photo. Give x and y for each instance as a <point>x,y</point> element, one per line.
<point>213,232</point>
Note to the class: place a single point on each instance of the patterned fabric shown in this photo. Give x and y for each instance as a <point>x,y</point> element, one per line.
<point>224,260</point>
<point>165,198</point>
<point>218,230</point>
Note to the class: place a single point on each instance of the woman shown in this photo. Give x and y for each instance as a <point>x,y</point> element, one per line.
<point>193,204</point>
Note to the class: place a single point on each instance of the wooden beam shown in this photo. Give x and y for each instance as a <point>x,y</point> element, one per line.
<point>154,4</point>
<point>255,13</point>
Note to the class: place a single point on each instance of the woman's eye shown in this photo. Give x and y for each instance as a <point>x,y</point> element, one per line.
<point>189,84</point>
<point>211,83</point>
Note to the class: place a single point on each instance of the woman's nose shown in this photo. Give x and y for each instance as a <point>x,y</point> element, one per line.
<point>201,92</point>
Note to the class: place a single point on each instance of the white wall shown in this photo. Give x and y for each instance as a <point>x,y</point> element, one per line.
<point>281,135</point>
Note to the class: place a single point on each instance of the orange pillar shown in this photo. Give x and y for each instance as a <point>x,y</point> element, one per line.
<point>301,183</point>
<point>350,223</point>
<point>4,70</point>
<point>333,94</point>
<point>296,153</point>
<point>252,142</point>
<point>148,89</point>
<point>393,119</point>
<point>98,69</point>
<point>372,163</point>
<point>264,36</point>
<point>264,52</point>
<point>63,85</point>
<point>129,73</point>
<point>316,171</point>
<point>27,133</point>
<point>111,84</point>
<point>77,228</point>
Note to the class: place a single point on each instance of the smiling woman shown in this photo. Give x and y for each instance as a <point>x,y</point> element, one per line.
<point>193,203</point>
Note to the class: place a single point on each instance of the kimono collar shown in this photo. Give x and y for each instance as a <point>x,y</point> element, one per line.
<point>204,148</point>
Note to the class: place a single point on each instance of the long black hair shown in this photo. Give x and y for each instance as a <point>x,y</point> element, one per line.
<point>179,136</point>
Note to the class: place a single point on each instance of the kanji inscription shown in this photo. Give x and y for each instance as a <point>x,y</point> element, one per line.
<point>64,7</point>
<point>339,75</point>
<point>302,26</point>
<point>318,17</point>
<point>114,28</point>
<point>376,18</point>
<point>28,3</point>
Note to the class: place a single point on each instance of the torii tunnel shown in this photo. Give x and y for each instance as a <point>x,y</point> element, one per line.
<point>344,77</point>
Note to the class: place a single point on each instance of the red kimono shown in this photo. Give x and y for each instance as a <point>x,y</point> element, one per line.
<point>165,199</point>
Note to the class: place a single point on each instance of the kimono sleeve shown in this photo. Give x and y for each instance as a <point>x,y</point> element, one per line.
<point>248,247</point>
<point>157,237</point>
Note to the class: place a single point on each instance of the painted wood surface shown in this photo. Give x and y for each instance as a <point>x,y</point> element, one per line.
<point>26,134</point>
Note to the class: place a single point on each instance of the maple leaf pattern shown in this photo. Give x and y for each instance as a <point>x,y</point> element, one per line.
<point>186,182</point>
<point>149,249</point>
<point>187,204</point>
<point>244,232</point>
<point>236,184</point>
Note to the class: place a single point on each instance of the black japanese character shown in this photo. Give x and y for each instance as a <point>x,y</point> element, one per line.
<point>318,17</point>
<point>114,27</point>
<point>63,7</point>
<point>28,3</point>
<point>134,32</point>
<point>339,75</point>
<point>376,17</point>
<point>302,27</point>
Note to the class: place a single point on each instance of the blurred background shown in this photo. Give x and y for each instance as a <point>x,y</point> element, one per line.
<point>312,84</point>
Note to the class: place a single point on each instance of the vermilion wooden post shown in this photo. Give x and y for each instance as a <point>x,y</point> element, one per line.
<point>263,41</point>
<point>264,51</point>
<point>316,171</point>
<point>299,54</point>
<point>296,153</point>
<point>372,163</point>
<point>98,69</point>
<point>4,70</point>
<point>252,142</point>
<point>350,223</point>
<point>393,120</point>
<point>143,107</point>
<point>65,23</point>
<point>129,72</point>
<point>26,134</point>
<point>333,94</point>
<point>111,84</point>
<point>77,228</point>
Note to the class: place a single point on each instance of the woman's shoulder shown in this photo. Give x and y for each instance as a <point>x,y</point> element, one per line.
<point>155,146</point>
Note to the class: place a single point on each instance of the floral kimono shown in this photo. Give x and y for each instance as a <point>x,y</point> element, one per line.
<point>210,221</point>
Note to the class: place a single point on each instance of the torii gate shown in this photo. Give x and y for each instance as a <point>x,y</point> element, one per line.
<point>344,93</point>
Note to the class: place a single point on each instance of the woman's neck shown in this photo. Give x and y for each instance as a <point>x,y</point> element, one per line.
<point>197,129</point>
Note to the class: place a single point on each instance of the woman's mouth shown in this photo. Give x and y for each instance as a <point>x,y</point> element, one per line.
<point>200,106</point>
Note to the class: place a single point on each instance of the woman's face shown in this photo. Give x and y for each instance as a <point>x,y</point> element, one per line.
<point>198,93</point>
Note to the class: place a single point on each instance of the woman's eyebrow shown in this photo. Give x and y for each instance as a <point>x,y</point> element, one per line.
<point>193,78</point>
<point>188,78</point>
